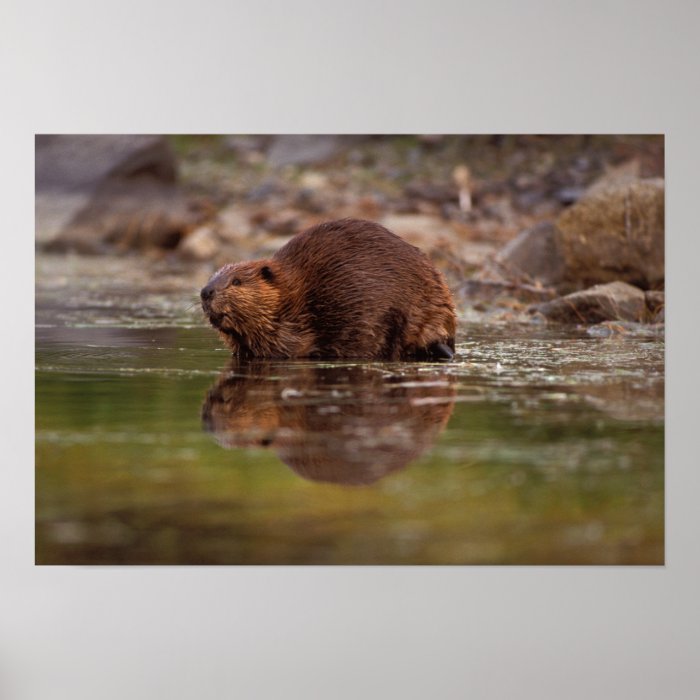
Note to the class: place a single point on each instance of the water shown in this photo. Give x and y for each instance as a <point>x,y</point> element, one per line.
<point>538,446</point>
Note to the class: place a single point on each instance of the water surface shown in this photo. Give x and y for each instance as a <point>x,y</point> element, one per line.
<point>537,446</point>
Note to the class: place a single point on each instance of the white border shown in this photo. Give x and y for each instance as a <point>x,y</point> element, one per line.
<point>333,67</point>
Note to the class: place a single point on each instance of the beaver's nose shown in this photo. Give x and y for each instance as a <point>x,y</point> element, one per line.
<point>207,292</point>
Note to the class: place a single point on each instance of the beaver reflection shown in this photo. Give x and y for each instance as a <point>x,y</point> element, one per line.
<point>339,424</point>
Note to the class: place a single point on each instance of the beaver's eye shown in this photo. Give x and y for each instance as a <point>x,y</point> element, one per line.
<point>236,283</point>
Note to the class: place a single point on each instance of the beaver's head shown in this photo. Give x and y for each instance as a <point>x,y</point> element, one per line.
<point>241,301</point>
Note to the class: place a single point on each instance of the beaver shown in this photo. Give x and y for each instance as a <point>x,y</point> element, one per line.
<point>343,289</point>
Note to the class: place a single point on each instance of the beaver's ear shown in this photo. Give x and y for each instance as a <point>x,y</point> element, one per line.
<point>267,273</point>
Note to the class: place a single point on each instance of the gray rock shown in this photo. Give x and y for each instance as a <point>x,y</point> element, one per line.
<point>94,193</point>
<point>129,215</point>
<point>53,211</point>
<point>616,301</point>
<point>302,149</point>
<point>535,255</point>
<point>84,162</point>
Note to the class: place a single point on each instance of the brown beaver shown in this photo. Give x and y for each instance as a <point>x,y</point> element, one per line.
<point>342,289</point>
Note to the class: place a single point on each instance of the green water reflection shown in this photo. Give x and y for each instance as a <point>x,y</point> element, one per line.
<point>535,447</point>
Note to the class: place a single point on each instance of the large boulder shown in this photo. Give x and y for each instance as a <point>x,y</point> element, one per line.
<point>615,301</point>
<point>84,162</point>
<point>615,234</point>
<point>95,193</point>
<point>135,215</point>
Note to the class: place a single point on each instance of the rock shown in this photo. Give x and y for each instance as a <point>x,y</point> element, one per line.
<point>83,163</point>
<point>616,301</point>
<point>616,234</point>
<point>54,211</point>
<point>70,169</point>
<point>124,215</point>
<point>534,255</point>
<point>201,244</point>
<point>302,149</point>
<point>100,192</point>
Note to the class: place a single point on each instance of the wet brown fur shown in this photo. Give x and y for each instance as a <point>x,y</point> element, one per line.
<point>343,289</point>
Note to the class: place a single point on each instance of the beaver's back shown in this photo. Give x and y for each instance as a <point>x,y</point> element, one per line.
<point>368,293</point>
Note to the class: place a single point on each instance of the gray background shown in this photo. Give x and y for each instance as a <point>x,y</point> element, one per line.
<point>355,66</point>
